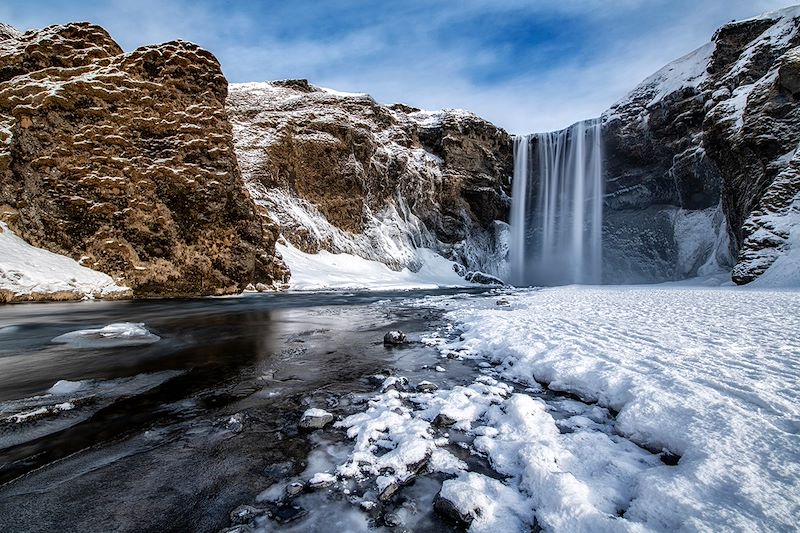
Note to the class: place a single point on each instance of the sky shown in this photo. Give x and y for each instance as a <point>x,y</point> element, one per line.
<point>527,66</point>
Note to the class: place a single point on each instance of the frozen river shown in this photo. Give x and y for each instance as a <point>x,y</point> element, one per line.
<point>566,409</point>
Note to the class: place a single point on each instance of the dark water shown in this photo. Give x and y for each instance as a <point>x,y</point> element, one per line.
<point>151,444</point>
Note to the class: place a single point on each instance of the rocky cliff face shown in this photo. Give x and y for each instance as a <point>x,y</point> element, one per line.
<point>342,173</point>
<point>711,134</point>
<point>126,162</point>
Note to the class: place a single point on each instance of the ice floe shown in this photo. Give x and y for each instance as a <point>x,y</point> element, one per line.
<point>112,335</point>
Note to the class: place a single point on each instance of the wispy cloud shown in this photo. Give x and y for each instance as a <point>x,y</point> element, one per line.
<point>525,65</point>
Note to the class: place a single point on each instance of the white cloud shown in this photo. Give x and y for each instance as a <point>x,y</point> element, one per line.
<point>397,53</point>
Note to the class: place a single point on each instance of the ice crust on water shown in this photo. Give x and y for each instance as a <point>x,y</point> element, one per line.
<point>67,403</point>
<point>64,386</point>
<point>117,334</point>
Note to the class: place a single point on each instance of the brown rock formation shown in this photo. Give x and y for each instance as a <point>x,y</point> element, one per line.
<point>127,161</point>
<point>343,173</point>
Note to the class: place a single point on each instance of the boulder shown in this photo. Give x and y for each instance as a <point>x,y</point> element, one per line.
<point>315,419</point>
<point>295,488</point>
<point>394,338</point>
<point>246,514</point>
<point>426,386</point>
<point>395,383</point>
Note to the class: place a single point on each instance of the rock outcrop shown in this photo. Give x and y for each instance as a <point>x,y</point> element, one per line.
<point>342,173</point>
<point>126,162</point>
<point>711,134</point>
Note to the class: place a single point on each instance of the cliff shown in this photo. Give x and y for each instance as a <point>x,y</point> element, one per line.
<point>342,173</point>
<point>713,133</point>
<point>126,163</point>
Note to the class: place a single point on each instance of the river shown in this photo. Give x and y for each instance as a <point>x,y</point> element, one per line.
<point>173,435</point>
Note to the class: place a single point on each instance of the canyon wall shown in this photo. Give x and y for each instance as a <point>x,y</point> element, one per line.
<point>342,173</point>
<point>148,167</point>
<point>126,163</point>
<point>698,158</point>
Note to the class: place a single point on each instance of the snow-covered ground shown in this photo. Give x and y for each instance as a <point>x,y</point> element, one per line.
<point>709,375</point>
<point>27,272</point>
<point>325,270</point>
<point>639,408</point>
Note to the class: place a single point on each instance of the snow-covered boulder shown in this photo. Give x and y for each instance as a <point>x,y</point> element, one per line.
<point>315,419</point>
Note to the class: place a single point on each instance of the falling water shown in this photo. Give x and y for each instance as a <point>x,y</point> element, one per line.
<point>557,209</point>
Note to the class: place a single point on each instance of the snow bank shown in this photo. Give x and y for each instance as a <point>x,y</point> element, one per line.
<point>785,271</point>
<point>325,270</point>
<point>30,273</point>
<point>709,375</point>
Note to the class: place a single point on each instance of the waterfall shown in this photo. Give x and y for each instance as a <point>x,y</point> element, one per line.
<point>557,207</point>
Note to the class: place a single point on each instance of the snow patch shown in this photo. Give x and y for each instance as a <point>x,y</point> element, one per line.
<point>717,389</point>
<point>29,271</point>
<point>325,270</point>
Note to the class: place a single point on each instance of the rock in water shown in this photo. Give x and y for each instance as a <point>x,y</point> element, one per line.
<point>127,161</point>
<point>294,488</point>
<point>398,384</point>
<point>482,278</point>
<point>394,338</point>
<point>448,509</point>
<point>426,386</point>
<point>245,514</point>
<point>316,419</point>
<point>321,480</point>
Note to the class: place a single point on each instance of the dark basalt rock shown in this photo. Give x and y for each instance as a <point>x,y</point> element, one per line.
<point>246,514</point>
<point>483,279</point>
<point>443,421</point>
<point>394,338</point>
<point>690,150</point>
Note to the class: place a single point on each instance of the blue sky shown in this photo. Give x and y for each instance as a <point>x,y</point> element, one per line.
<point>525,65</point>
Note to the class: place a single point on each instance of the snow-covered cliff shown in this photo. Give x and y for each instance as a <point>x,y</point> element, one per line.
<point>341,173</point>
<point>710,134</point>
<point>126,160</point>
